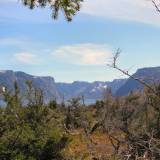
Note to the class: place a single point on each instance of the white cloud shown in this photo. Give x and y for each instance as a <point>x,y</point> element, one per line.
<point>20,44</point>
<point>126,10</point>
<point>26,58</point>
<point>83,54</point>
<point>11,42</point>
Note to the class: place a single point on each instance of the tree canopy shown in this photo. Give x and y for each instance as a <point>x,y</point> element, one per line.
<point>68,7</point>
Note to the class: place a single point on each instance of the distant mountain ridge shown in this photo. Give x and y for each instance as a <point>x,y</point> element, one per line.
<point>149,75</point>
<point>94,90</point>
<point>46,84</point>
<point>53,90</point>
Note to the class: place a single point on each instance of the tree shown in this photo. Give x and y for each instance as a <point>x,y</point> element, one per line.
<point>137,117</point>
<point>68,7</point>
<point>33,132</point>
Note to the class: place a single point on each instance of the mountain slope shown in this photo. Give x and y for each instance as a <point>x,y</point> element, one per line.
<point>93,90</point>
<point>46,84</point>
<point>149,75</point>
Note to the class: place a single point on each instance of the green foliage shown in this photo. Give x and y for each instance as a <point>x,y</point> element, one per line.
<point>32,132</point>
<point>76,114</point>
<point>68,7</point>
<point>52,104</point>
<point>36,131</point>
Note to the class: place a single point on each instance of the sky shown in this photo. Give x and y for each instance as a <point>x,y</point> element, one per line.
<point>31,41</point>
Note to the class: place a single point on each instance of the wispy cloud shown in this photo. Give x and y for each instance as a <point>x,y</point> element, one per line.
<point>22,43</point>
<point>141,11</point>
<point>83,54</point>
<point>26,58</point>
<point>11,42</point>
<point>125,10</point>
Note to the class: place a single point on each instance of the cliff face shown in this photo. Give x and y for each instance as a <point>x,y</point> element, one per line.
<point>94,91</point>
<point>148,75</point>
<point>46,84</point>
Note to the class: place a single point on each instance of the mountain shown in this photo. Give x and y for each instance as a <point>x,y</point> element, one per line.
<point>149,75</point>
<point>46,84</point>
<point>52,90</point>
<point>90,91</point>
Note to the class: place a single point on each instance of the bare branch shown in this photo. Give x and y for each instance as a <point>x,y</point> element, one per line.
<point>114,65</point>
<point>156,4</point>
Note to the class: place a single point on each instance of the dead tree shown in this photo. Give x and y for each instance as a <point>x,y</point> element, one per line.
<point>142,144</point>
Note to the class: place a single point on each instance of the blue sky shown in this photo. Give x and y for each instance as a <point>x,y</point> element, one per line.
<point>32,42</point>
